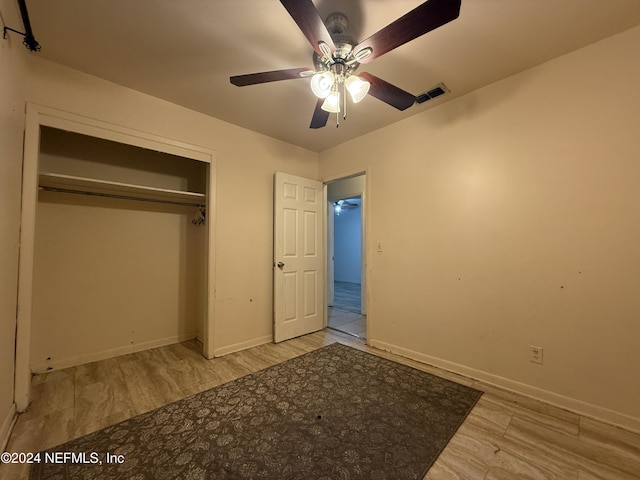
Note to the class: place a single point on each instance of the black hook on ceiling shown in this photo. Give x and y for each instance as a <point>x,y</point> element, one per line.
<point>29,40</point>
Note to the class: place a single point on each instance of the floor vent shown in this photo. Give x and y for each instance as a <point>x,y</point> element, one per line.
<point>439,89</point>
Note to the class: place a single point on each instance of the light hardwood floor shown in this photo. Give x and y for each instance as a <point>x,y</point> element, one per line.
<point>347,296</point>
<point>506,436</point>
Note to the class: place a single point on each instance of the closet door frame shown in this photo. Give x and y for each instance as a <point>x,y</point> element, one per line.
<point>38,116</point>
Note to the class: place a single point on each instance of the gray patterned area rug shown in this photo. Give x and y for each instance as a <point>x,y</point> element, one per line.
<point>334,413</point>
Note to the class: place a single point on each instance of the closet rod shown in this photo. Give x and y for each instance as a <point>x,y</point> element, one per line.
<point>121,197</point>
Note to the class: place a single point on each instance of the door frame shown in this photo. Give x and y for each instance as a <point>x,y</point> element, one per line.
<point>364,307</point>
<point>38,116</point>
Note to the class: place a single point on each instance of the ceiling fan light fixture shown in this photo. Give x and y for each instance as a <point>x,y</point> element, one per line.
<point>357,87</point>
<point>321,84</point>
<point>332,102</point>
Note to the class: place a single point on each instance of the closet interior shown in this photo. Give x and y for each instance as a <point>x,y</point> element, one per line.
<point>120,250</point>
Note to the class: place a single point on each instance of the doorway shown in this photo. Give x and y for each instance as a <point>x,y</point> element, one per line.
<point>346,287</point>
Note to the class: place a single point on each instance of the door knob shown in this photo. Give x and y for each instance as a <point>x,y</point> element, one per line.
<point>280,265</point>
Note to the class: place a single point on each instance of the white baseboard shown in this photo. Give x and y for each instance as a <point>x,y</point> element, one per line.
<point>110,353</point>
<point>6,427</point>
<point>236,347</point>
<point>577,406</point>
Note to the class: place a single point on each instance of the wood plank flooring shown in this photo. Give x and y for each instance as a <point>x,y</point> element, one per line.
<point>347,296</point>
<point>506,436</point>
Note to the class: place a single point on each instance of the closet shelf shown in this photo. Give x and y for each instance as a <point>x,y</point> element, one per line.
<point>92,186</point>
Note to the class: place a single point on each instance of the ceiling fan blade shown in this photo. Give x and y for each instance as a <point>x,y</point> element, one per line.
<point>320,116</point>
<point>304,13</point>
<point>428,16</point>
<point>388,93</point>
<point>264,77</point>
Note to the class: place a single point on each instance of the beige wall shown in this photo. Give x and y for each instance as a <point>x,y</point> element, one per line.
<point>11,126</point>
<point>511,217</point>
<point>245,163</point>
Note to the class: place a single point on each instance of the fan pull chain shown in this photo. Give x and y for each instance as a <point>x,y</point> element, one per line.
<point>344,98</point>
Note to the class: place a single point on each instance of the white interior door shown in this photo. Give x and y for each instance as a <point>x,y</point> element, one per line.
<point>298,272</point>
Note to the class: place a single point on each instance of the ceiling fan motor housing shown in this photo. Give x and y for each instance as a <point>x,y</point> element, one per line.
<point>337,24</point>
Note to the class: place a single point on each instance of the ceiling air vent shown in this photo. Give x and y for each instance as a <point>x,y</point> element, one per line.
<point>439,89</point>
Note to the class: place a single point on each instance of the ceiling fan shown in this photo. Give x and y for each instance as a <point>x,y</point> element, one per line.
<point>344,204</point>
<point>337,56</point>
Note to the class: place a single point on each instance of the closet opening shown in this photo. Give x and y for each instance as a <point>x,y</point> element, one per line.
<point>119,249</point>
<point>116,244</point>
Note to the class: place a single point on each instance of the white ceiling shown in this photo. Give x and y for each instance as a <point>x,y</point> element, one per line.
<point>184,51</point>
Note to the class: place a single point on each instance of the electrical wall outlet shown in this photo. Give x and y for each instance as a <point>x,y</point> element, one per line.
<point>535,354</point>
